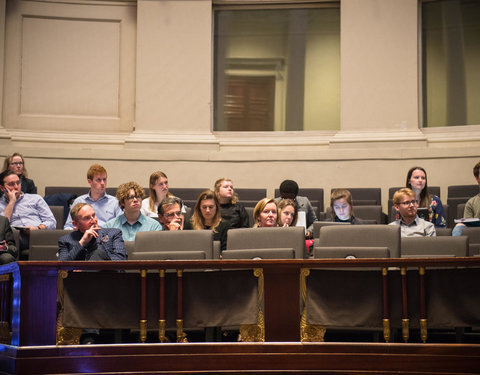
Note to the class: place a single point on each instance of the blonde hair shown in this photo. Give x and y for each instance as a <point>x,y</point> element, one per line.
<point>197,219</point>
<point>8,161</point>
<point>284,203</point>
<point>399,194</point>
<point>260,207</point>
<point>152,197</point>
<point>218,183</point>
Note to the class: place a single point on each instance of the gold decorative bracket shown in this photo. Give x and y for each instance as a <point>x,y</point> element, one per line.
<point>255,332</point>
<point>308,332</point>
<point>65,335</point>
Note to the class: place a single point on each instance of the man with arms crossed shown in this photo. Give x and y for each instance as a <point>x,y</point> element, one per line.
<point>105,206</point>
<point>411,225</point>
<point>89,241</point>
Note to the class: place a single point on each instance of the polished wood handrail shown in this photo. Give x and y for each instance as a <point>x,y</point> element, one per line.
<point>250,263</point>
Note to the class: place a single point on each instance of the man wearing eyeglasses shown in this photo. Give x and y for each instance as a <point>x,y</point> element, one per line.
<point>411,225</point>
<point>130,197</point>
<point>171,216</point>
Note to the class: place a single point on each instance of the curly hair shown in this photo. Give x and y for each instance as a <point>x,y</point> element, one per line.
<point>124,190</point>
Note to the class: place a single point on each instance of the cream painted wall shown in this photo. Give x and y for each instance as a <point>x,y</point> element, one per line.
<point>171,87</point>
<point>174,64</point>
<point>379,78</point>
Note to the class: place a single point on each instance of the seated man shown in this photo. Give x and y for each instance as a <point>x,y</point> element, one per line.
<point>130,197</point>
<point>25,212</point>
<point>106,206</point>
<point>89,241</point>
<point>411,225</point>
<point>472,207</point>
<point>8,250</point>
<point>171,216</point>
<point>306,213</point>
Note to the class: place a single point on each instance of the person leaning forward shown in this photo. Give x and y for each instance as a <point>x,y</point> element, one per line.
<point>89,241</point>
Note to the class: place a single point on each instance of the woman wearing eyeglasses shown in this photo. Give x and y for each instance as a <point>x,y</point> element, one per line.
<point>206,215</point>
<point>16,163</point>
<point>417,182</point>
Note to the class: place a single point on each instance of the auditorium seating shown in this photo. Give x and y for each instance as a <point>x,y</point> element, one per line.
<point>371,214</point>
<point>250,197</point>
<point>473,234</point>
<point>44,244</point>
<point>175,245</point>
<point>365,196</point>
<point>358,236</point>
<point>354,252</point>
<point>77,190</point>
<point>58,213</point>
<point>458,194</point>
<point>441,246</point>
<point>314,195</point>
<point>255,240</point>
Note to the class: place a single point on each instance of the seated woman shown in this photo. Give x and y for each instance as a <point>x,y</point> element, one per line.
<point>206,215</point>
<point>16,163</point>
<point>417,181</point>
<point>288,213</point>
<point>341,203</point>
<point>265,213</point>
<point>158,190</point>
<point>230,209</point>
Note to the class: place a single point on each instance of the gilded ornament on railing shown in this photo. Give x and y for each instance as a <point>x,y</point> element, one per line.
<point>386,330</point>
<point>405,329</point>
<point>308,332</point>
<point>65,335</point>
<point>181,336</point>
<point>255,332</point>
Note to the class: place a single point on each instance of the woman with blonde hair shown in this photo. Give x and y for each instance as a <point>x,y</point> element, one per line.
<point>288,213</point>
<point>158,190</point>
<point>16,163</point>
<point>206,215</point>
<point>265,213</point>
<point>230,209</point>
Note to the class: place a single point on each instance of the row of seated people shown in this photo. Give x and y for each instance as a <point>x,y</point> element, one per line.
<point>371,241</point>
<point>416,179</point>
<point>232,213</point>
<point>333,241</point>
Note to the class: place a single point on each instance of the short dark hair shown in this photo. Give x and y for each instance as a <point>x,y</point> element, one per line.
<point>167,202</point>
<point>476,169</point>
<point>5,174</point>
<point>289,187</point>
